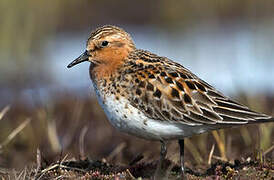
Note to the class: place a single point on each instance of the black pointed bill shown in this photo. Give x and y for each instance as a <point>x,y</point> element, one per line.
<point>83,57</point>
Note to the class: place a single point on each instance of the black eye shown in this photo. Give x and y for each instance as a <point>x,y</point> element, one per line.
<point>104,43</point>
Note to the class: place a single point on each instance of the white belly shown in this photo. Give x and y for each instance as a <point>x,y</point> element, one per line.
<point>127,118</point>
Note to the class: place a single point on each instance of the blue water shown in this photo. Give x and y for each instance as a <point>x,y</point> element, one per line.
<point>233,59</point>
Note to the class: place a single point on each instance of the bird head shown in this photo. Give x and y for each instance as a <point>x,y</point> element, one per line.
<point>107,46</point>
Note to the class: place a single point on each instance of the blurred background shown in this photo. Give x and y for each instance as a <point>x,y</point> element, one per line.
<point>229,44</point>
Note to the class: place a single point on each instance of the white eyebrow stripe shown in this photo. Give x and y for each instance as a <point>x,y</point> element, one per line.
<point>117,36</point>
<point>99,34</point>
<point>113,36</point>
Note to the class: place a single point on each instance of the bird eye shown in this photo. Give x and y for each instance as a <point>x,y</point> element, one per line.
<point>104,43</point>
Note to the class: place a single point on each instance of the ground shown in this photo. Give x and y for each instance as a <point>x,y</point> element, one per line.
<point>70,138</point>
<point>98,170</point>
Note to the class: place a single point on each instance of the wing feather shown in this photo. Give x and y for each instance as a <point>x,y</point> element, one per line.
<point>170,92</point>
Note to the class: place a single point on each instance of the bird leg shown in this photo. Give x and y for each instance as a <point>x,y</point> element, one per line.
<point>182,162</point>
<point>160,172</point>
<point>163,150</point>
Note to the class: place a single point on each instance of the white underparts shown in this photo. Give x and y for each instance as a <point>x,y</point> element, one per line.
<point>129,119</point>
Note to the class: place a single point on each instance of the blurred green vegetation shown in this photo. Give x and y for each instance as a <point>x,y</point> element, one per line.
<point>27,25</point>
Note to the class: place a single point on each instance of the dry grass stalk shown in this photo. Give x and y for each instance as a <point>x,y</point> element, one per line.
<point>130,175</point>
<point>54,166</point>
<point>211,154</point>
<point>73,128</point>
<point>265,131</point>
<point>22,175</point>
<point>193,150</point>
<point>246,136</point>
<point>15,132</point>
<point>63,160</point>
<point>116,151</point>
<point>219,158</point>
<point>38,162</point>
<point>81,141</point>
<point>269,150</point>
<point>220,144</point>
<point>4,111</point>
<point>53,137</point>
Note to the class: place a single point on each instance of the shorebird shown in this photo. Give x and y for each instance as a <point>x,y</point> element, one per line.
<point>153,97</point>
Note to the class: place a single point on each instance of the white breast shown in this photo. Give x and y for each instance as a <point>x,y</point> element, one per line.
<point>126,118</point>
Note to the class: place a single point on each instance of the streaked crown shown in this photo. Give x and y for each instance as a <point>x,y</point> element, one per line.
<point>110,32</point>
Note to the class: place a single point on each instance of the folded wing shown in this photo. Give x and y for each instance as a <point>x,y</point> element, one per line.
<point>166,91</point>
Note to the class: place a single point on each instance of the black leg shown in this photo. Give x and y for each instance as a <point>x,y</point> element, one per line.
<point>160,172</point>
<point>181,144</point>
<point>163,150</point>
